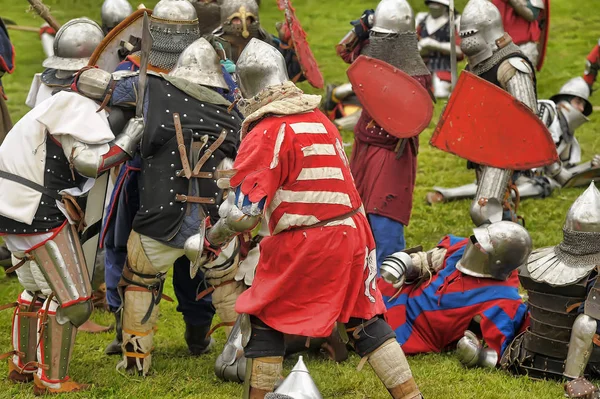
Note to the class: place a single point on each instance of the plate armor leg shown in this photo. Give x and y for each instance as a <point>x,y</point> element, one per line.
<point>580,346</point>
<point>55,348</point>
<point>220,274</point>
<point>455,193</point>
<point>489,199</point>
<point>24,333</point>
<point>142,284</point>
<point>231,363</point>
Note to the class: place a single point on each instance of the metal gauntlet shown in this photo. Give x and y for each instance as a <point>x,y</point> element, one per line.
<point>471,353</point>
<point>131,136</point>
<point>234,223</point>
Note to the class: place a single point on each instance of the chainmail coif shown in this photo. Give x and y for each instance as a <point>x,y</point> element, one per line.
<point>579,248</point>
<point>399,50</point>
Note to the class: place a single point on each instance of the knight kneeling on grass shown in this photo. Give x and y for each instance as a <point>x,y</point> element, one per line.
<point>292,171</point>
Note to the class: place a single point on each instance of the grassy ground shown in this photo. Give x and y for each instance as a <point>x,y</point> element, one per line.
<point>439,376</point>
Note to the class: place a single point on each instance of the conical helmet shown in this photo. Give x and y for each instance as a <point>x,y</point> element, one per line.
<point>260,66</point>
<point>199,63</point>
<point>297,385</point>
<point>113,12</point>
<point>579,252</point>
<point>393,16</point>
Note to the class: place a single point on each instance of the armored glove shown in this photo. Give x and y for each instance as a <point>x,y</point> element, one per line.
<point>363,25</point>
<point>471,353</point>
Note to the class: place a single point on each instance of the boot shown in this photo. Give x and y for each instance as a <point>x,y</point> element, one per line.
<point>406,390</point>
<point>15,375</point>
<point>40,389</point>
<point>114,348</point>
<point>197,341</point>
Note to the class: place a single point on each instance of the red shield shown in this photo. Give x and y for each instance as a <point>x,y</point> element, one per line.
<point>307,60</point>
<point>396,101</point>
<point>544,21</point>
<point>488,126</point>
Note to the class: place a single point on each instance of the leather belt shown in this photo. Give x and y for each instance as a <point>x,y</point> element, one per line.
<point>195,200</point>
<point>33,185</point>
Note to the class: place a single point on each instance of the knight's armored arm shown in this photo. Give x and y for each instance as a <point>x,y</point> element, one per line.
<point>89,159</point>
<point>592,65</point>
<point>401,267</point>
<point>516,76</point>
<point>471,353</point>
<point>527,9</point>
<point>237,215</point>
<point>347,47</point>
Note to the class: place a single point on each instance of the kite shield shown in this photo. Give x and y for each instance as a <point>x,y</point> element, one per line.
<point>306,58</point>
<point>126,34</point>
<point>488,126</point>
<point>396,101</point>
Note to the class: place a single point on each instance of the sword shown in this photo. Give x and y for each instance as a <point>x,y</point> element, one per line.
<point>453,66</point>
<point>144,59</point>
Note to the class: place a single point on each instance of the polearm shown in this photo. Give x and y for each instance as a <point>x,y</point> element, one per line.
<point>44,12</point>
<point>453,66</point>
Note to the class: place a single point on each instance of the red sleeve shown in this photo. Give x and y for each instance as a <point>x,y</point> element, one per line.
<point>263,161</point>
<point>349,56</point>
<point>594,59</point>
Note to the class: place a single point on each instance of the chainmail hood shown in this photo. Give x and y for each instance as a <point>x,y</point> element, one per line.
<point>399,50</point>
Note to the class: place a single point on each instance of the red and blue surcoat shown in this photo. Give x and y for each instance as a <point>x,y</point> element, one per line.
<point>433,316</point>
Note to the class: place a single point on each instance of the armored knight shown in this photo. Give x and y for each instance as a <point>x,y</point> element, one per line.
<point>239,25</point>
<point>563,113</point>
<point>592,65</point>
<point>386,190</point>
<point>433,29</point>
<point>493,56</point>
<point>172,21</point>
<point>286,143</point>
<point>460,283</point>
<point>74,44</point>
<point>521,20</point>
<point>190,136</point>
<point>113,12</point>
<point>48,162</point>
<point>562,288</point>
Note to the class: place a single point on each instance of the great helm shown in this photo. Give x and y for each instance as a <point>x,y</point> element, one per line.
<point>393,16</point>
<point>579,251</point>
<point>235,15</point>
<point>199,63</point>
<point>480,28</point>
<point>260,66</point>
<point>174,26</point>
<point>576,87</point>
<point>495,250</point>
<point>74,44</point>
<point>113,12</point>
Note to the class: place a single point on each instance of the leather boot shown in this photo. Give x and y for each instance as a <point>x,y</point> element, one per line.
<point>114,348</point>
<point>197,341</point>
<point>15,375</point>
<point>40,389</point>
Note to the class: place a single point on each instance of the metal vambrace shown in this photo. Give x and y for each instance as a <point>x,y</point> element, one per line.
<point>580,346</point>
<point>489,198</point>
<point>234,223</point>
<point>89,163</point>
<point>557,172</point>
<point>516,77</point>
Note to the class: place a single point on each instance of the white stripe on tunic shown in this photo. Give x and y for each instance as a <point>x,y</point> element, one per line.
<point>307,197</point>
<point>319,149</point>
<point>278,142</point>
<point>289,220</point>
<point>320,173</point>
<point>308,128</point>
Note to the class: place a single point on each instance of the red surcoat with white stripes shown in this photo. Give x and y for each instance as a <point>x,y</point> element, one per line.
<point>307,278</point>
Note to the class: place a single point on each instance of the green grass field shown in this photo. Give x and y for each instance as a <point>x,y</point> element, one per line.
<point>176,374</point>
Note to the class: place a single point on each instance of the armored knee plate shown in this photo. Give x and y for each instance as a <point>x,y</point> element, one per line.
<point>580,346</point>
<point>62,262</point>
